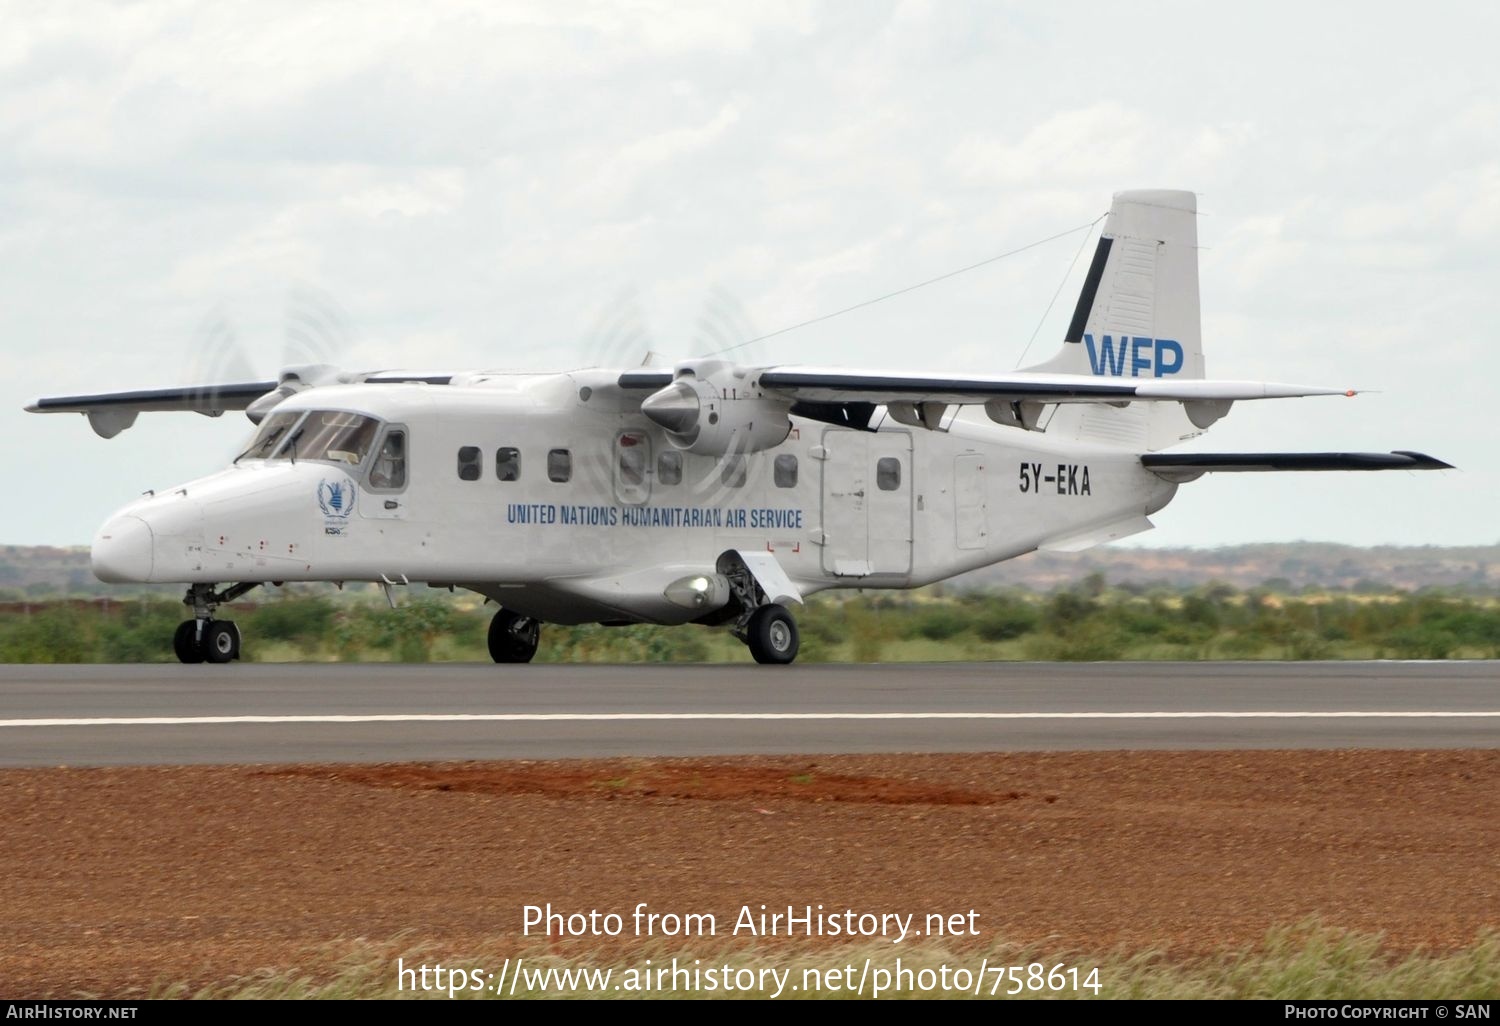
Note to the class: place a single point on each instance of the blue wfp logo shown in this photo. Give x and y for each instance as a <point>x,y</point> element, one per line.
<point>1133,356</point>
<point>336,500</point>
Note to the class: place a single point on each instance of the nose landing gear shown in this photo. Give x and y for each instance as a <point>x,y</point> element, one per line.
<point>186,644</point>
<point>513,638</point>
<point>214,641</point>
<point>203,638</point>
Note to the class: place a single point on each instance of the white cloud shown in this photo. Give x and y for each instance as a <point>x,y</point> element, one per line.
<point>1075,146</point>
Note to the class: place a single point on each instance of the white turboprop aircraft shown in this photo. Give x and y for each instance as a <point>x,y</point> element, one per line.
<point>712,494</point>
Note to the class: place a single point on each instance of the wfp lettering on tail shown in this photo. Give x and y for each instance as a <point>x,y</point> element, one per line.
<point>1133,356</point>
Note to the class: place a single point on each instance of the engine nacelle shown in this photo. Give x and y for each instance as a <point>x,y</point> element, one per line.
<point>292,381</point>
<point>715,409</point>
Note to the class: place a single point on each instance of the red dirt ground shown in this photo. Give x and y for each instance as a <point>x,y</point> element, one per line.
<point>116,879</point>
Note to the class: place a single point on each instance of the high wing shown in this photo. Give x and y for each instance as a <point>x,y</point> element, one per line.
<point>207,399</point>
<point>110,413</point>
<point>818,384</point>
<point>841,385</point>
<point>849,398</point>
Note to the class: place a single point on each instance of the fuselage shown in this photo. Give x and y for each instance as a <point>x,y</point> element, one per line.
<point>555,496</point>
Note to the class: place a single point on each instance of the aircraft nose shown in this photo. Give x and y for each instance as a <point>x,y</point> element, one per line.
<point>121,552</point>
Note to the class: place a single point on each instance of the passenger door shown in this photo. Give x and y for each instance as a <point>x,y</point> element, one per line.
<point>867,505</point>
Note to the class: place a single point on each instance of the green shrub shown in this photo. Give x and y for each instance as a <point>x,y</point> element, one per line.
<point>1422,642</point>
<point>54,633</point>
<point>141,633</point>
<point>1306,645</point>
<point>297,619</point>
<point>1100,644</point>
<point>1003,619</point>
<point>939,623</point>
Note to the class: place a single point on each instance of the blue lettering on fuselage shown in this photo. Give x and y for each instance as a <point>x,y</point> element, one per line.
<point>1133,356</point>
<point>759,518</point>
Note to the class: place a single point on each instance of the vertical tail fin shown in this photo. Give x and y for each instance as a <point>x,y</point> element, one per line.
<point>1137,317</point>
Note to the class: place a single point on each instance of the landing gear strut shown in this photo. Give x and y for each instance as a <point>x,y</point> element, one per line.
<point>513,638</point>
<point>766,627</point>
<point>204,638</point>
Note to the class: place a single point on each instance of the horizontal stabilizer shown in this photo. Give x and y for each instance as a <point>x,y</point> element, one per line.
<point>1187,466</point>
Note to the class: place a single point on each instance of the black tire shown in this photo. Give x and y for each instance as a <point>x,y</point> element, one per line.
<point>513,638</point>
<point>772,635</point>
<point>221,641</point>
<point>185,642</point>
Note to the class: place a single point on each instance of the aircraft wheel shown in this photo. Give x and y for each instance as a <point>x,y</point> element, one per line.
<point>185,642</point>
<point>221,641</point>
<point>513,638</point>
<point>772,635</point>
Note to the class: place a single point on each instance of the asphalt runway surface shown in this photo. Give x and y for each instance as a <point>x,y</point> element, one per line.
<point>169,714</point>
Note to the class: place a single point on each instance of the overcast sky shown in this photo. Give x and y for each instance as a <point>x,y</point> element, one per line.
<point>546,185</point>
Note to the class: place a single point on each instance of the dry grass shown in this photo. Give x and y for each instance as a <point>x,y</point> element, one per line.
<point>1305,962</point>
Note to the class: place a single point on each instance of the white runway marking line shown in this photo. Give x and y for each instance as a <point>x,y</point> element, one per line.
<point>184,721</point>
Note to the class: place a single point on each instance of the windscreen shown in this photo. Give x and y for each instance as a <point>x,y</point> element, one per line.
<point>331,435</point>
<point>271,434</point>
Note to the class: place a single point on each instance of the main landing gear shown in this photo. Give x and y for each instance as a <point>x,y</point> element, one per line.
<point>513,638</point>
<point>204,639</point>
<point>772,635</point>
<point>765,626</point>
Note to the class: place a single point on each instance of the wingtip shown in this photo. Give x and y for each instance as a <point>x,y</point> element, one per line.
<point>1422,461</point>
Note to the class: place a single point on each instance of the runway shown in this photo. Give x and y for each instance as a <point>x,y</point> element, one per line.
<point>168,714</point>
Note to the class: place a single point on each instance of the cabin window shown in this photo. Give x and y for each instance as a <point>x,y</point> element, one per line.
<point>508,464</point>
<point>785,469</point>
<point>559,465</point>
<point>734,472</point>
<point>669,467</point>
<point>888,473</point>
<point>633,464</point>
<point>388,470</point>
<point>469,463</point>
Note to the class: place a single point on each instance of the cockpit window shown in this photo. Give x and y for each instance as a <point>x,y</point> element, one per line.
<point>271,434</point>
<point>388,471</point>
<point>330,435</point>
